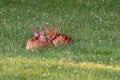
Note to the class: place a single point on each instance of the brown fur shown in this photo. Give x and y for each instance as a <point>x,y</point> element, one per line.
<point>39,41</point>
<point>58,39</point>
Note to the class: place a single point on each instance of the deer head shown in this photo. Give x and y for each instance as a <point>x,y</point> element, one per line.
<point>38,41</point>
<point>51,34</point>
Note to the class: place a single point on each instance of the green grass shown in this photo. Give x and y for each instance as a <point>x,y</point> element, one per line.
<point>94,26</point>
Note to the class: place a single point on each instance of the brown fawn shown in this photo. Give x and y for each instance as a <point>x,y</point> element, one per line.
<point>57,39</point>
<point>39,41</point>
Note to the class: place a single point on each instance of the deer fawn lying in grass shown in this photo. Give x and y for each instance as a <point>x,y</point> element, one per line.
<point>55,38</point>
<point>39,41</point>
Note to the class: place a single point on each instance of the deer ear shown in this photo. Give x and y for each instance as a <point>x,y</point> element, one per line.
<point>56,28</point>
<point>41,32</point>
<point>46,28</point>
<point>35,32</point>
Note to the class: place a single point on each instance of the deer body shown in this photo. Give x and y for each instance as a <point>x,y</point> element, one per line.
<point>39,41</point>
<point>35,43</point>
<point>62,39</point>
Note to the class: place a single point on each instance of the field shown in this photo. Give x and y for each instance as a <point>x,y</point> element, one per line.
<point>94,26</point>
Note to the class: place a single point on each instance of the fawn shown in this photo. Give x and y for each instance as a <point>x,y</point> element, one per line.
<point>57,39</point>
<point>39,41</point>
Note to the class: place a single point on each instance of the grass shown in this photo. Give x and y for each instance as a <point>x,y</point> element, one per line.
<point>92,24</point>
<point>55,69</point>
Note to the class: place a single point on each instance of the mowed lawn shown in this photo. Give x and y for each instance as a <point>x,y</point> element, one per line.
<point>94,26</point>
